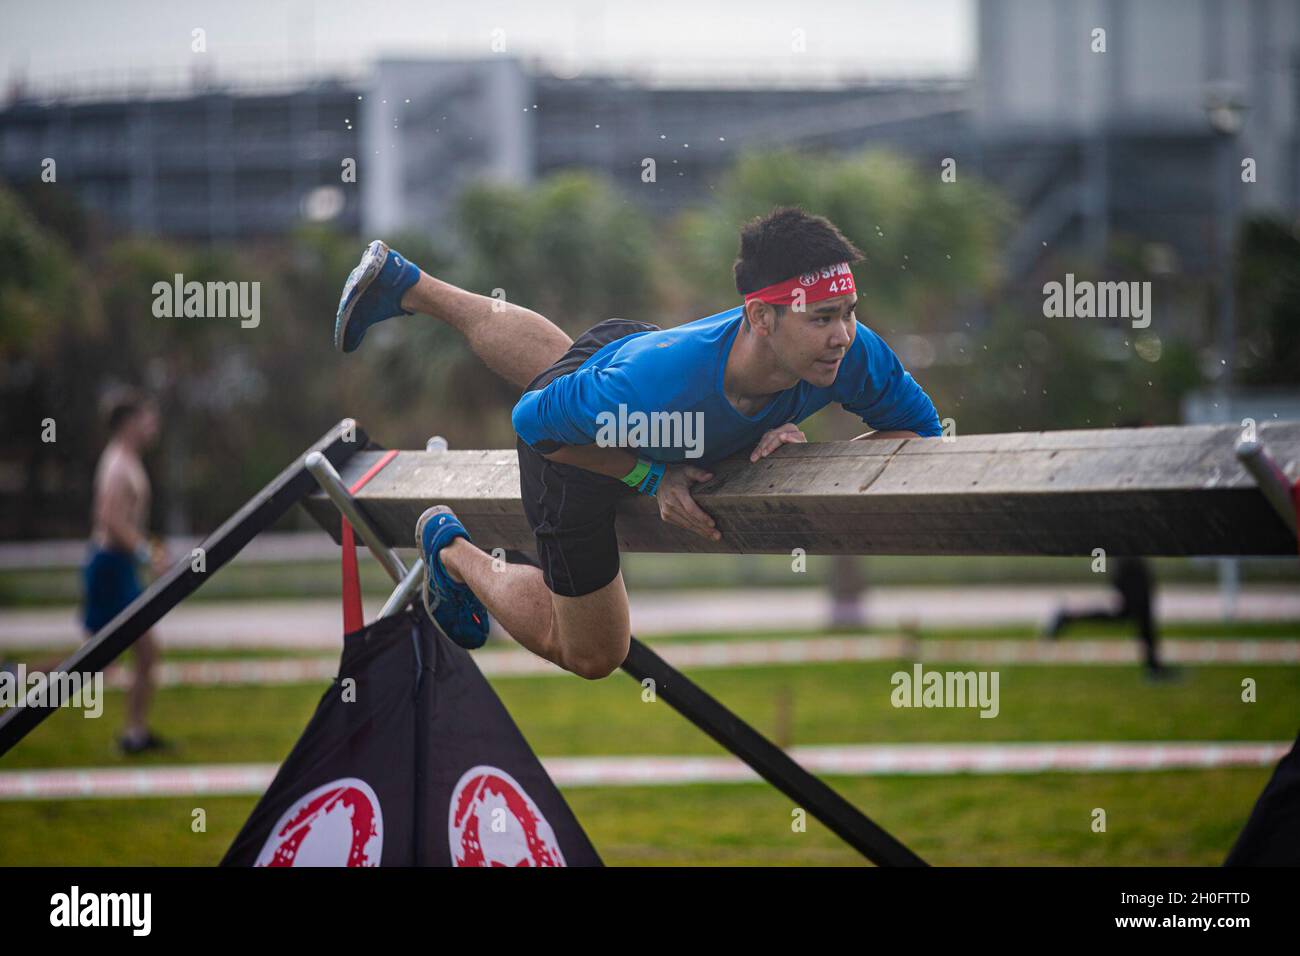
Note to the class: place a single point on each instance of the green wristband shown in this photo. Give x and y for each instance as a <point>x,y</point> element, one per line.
<point>634,477</point>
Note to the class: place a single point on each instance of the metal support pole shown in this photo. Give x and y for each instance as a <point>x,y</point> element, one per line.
<point>177,583</point>
<point>767,759</point>
<point>405,591</point>
<point>328,478</point>
<point>1270,478</point>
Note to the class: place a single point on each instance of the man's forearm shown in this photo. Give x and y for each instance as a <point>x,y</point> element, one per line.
<point>604,460</point>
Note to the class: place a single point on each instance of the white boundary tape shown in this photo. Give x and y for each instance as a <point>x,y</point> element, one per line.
<point>216,779</point>
<point>851,760</point>
<point>719,654</point>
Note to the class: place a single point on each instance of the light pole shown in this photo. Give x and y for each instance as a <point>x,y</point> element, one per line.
<point>1225,113</point>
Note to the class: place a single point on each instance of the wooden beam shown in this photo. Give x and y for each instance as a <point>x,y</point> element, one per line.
<point>1146,491</point>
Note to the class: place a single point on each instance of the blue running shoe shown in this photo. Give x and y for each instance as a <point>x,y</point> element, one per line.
<point>372,293</point>
<point>453,607</point>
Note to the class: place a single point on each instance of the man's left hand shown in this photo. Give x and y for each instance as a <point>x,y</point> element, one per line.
<point>777,437</point>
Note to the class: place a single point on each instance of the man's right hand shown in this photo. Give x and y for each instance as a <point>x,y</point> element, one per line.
<point>676,506</point>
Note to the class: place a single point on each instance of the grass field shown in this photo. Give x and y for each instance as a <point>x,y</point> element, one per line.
<point>1174,818</point>
<point>1169,819</point>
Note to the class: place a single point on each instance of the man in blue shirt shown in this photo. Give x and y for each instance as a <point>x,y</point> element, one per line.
<point>629,408</point>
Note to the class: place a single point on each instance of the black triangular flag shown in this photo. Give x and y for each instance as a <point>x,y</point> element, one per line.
<point>416,763</point>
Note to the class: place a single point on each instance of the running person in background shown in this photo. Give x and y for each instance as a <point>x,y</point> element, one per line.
<point>747,376</point>
<point>1134,582</point>
<point>119,543</point>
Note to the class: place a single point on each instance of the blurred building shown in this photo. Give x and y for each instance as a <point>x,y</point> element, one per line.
<point>1091,134</point>
<point>213,164</point>
<point>231,162</point>
<point>500,119</point>
<point>1105,116</point>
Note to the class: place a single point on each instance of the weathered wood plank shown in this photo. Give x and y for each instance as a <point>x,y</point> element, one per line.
<point>1154,491</point>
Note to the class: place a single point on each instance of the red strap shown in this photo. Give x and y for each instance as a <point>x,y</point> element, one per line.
<point>353,619</point>
<point>353,616</point>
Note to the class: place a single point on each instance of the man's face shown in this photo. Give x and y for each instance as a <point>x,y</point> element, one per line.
<point>812,344</point>
<point>145,423</point>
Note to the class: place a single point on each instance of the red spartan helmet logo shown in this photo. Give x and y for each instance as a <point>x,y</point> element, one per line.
<point>338,824</point>
<point>493,822</point>
<point>808,279</point>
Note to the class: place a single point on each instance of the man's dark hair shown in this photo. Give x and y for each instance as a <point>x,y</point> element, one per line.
<point>785,243</point>
<point>121,404</point>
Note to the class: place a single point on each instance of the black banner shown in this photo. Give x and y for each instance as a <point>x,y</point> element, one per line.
<point>411,759</point>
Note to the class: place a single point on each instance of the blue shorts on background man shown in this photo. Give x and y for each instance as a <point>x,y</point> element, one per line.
<point>110,583</point>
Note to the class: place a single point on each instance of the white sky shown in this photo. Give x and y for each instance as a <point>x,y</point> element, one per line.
<point>694,39</point>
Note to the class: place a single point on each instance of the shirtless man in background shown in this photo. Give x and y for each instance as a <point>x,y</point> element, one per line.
<point>119,542</point>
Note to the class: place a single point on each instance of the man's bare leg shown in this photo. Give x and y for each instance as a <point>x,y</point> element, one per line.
<point>516,343</point>
<point>140,692</point>
<point>588,635</point>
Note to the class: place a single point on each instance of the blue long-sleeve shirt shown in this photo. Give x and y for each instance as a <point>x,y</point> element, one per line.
<point>681,370</point>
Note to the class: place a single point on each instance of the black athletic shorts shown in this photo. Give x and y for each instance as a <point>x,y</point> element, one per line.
<point>571,510</point>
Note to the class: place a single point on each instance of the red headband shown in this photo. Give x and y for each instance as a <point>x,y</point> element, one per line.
<point>822,284</point>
